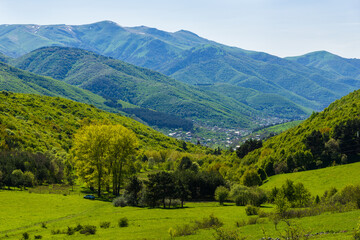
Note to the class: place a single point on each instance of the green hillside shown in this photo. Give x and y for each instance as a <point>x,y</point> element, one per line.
<point>4,58</point>
<point>271,103</point>
<point>189,58</point>
<point>326,138</point>
<point>349,68</point>
<point>16,80</point>
<point>39,123</point>
<point>116,80</point>
<point>319,180</point>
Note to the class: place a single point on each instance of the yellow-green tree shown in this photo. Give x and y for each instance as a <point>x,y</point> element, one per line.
<point>102,152</point>
<point>122,146</point>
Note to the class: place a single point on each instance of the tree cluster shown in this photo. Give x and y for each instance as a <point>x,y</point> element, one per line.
<point>103,155</point>
<point>248,146</point>
<point>19,169</point>
<point>160,119</point>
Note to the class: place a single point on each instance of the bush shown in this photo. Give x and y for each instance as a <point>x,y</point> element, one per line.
<point>78,228</point>
<point>251,178</point>
<point>221,194</point>
<point>119,202</point>
<point>55,231</point>
<point>222,234</point>
<point>183,230</point>
<point>123,222</point>
<point>105,224</point>
<point>252,220</point>
<point>208,222</point>
<point>25,235</point>
<point>88,230</point>
<point>356,234</point>
<point>38,237</point>
<point>243,196</point>
<point>70,231</point>
<point>251,210</point>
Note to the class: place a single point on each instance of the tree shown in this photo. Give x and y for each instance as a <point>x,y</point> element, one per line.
<point>251,178</point>
<point>248,146</point>
<point>17,178</point>
<point>221,194</point>
<point>123,144</point>
<point>160,186</point>
<point>102,152</point>
<point>28,179</point>
<point>133,189</point>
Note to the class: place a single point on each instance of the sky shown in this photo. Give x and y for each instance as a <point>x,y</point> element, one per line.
<point>279,27</point>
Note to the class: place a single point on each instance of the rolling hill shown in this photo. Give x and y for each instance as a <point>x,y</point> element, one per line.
<point>17,80</point>
<point>116,80</point>
<point>324,139</point>
<point>189,58</point>
<point>34,123</point>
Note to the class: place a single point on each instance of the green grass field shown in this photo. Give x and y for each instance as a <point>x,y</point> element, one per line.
<point>317,181</point>
<point>25,212</point>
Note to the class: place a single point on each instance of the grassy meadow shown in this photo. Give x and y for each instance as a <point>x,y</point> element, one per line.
<point>319,180</point>
<point>40,214</point>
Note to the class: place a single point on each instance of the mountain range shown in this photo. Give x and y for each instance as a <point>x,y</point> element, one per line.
<point>240,84</point>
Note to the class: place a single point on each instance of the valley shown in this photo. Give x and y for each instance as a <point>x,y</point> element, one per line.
<point>112,132</point>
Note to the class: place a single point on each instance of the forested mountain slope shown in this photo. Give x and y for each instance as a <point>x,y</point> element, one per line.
<point>189,58</point>
<point>326,138</point>
<point>116,80</point>
<point>33,123</point>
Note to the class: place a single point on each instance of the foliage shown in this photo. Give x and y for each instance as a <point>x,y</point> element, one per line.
<point>105,224</point>
<point>88,230</point>
<point>119,201</point>
<point>316,143</point>
<point>123,222</point>
<point>251,210</point>
<point>243,195</point>
<point>248,146</point>
<point>251,178</point>
<point>102,152</point>
<point>223,234</point>
<point>221,194</point>
<point>160,119</point>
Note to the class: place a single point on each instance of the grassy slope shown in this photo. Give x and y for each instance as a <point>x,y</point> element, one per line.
<point>291,140</point>
<point>16,80</point>
<point>44,123</point>
<point>115,79</point>
<point>61,211</point>
<point>319,180</point>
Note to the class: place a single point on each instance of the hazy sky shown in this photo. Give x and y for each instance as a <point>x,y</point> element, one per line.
<point>279,27</point>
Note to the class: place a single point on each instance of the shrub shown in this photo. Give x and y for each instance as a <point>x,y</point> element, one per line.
<point>251,178</point>
<point>243,195</point>
<point>183,230</point>
<point>221,194</point>
<point>38,237</point>
<point>119,202</point>
<point>78,228</point>
<point>356,234</point>
<point>55,231</point>
<point>251,210</point>
<point>70,231</point>
<point>105,224</point>
<point>88,230</point>
<point>240,223</point>
<point>252,220</point>
<point>43,225</point>
<point>25,235</point>
<point>222,234</point>
<point>208,222</point>
<point>123,222</point>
